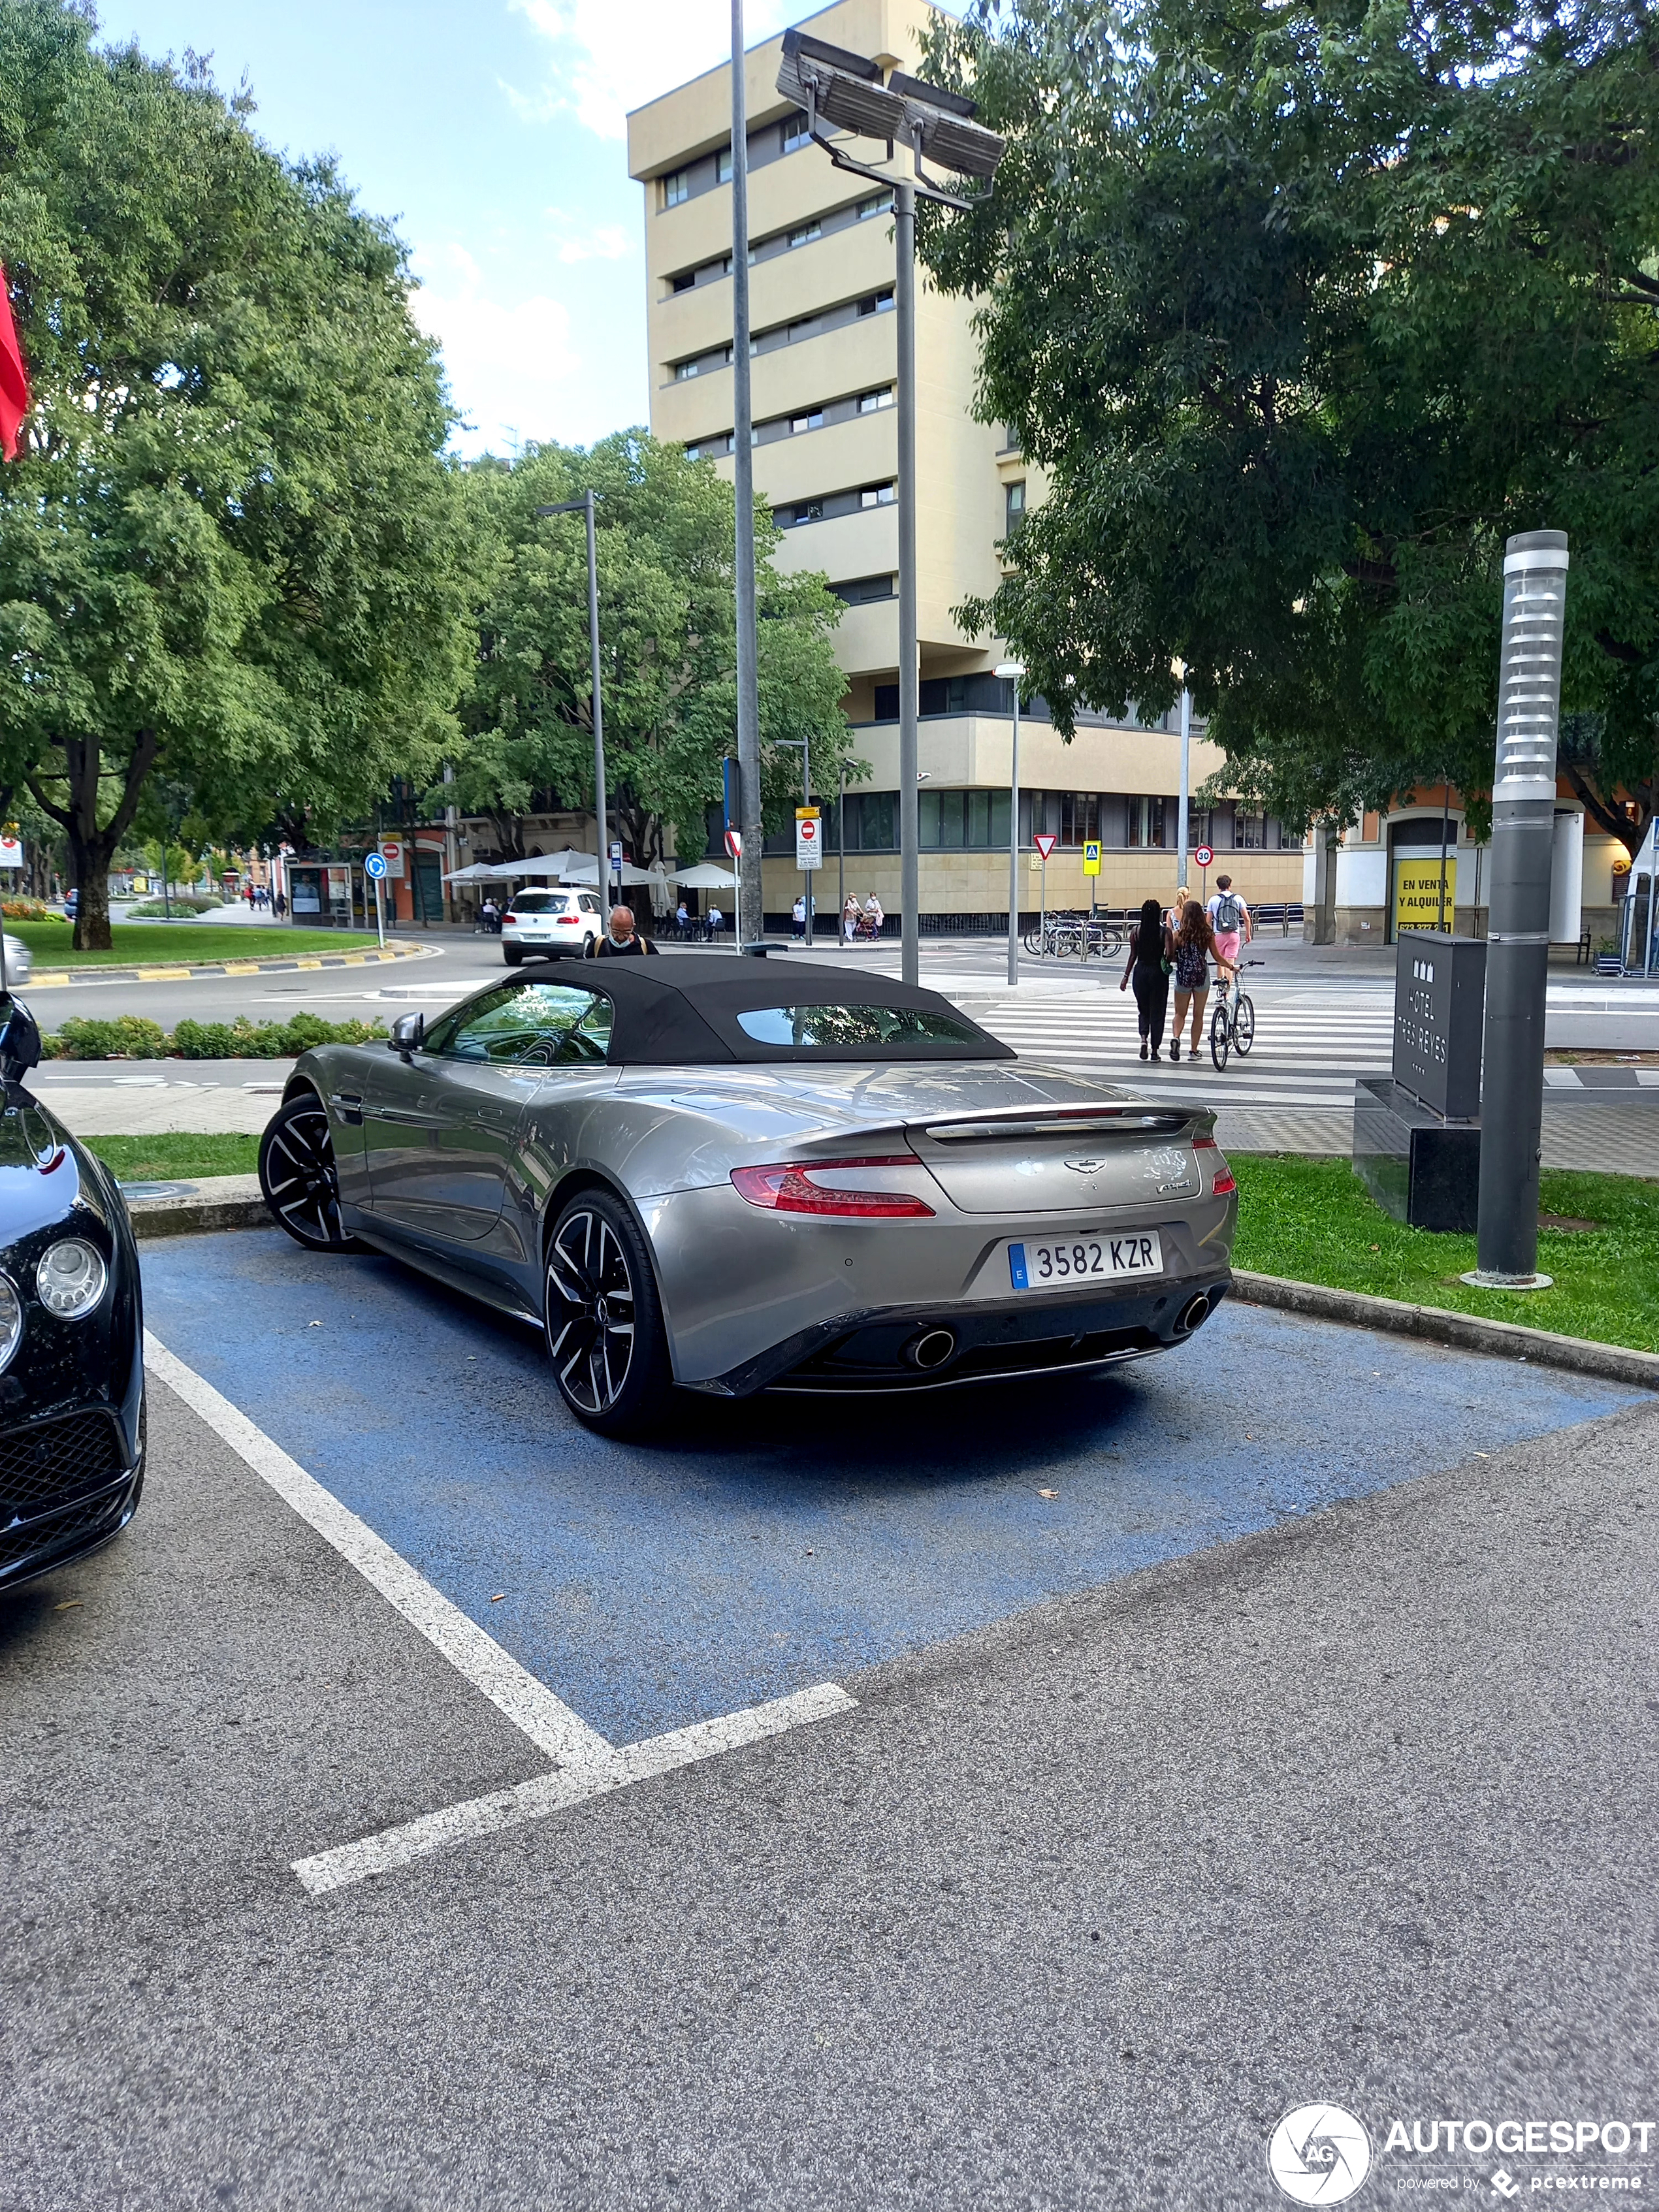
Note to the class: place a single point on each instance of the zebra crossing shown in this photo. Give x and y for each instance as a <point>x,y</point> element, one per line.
<point>1308,1050</point>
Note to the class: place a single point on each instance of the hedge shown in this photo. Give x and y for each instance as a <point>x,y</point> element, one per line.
<point>131,1037</point>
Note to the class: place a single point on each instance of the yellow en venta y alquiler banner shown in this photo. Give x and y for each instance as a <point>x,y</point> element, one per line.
<point>1416,893</point>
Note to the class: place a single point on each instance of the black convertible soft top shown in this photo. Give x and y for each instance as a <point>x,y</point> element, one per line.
<point>680,1011</point>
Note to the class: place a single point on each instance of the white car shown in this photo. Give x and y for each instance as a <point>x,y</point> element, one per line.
<point>550,926</point>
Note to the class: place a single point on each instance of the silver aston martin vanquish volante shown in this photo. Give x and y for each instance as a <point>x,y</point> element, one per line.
<point>736,1176</point>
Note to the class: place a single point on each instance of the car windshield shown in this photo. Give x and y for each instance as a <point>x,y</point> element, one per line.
<point>874,1029</point>
<point>541,902</point>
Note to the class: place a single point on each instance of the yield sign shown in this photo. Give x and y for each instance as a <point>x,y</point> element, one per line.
<point>1045,842</point>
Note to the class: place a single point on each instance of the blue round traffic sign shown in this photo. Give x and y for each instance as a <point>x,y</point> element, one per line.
<point>374,867</point>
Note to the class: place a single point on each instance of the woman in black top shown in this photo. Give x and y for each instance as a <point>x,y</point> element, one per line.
<point>1147,969</point>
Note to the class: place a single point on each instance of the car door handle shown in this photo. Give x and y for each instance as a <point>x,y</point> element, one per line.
<point>406,1117</point>
<point>350,1104</point>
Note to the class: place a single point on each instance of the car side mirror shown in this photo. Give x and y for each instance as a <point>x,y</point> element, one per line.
<point>20,1041</point>
<point>408,1035</point>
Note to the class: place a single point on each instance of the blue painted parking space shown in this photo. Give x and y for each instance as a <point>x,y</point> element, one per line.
<point>789,1542</point>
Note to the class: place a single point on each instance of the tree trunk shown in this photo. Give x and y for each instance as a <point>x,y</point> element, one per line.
<point>92,848</point>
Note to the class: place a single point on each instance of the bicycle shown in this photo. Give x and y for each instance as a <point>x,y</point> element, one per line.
<point>1232,1025</point>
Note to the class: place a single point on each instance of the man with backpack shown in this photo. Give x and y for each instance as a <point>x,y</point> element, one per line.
<point>1230,918</point>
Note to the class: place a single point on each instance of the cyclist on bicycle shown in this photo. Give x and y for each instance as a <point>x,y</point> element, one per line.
<point>1230,918</point>
<point>1194,947</point>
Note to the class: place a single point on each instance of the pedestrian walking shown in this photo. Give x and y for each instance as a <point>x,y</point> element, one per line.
<point>621,941</point>
<point>1193,949</point>
<point>849,917</point>
<point>1147,969</point>
<point>489,915</point>
<point>798,914</point>
<point>1230,918</point>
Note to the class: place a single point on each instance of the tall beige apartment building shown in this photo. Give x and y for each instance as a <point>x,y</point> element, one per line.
<point>824,358</point>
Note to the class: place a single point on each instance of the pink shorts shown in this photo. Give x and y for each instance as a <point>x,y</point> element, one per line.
<point>1227,942</point>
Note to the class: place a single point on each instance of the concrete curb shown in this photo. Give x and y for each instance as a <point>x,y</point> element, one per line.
<point>1462,1332</point>
<point>215,1202</point>
<point>188,971</point>
<point>235,1202</point>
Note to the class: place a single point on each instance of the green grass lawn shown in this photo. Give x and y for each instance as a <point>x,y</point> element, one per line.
<point>172,1157</point>
<point>1313,1221</point>
<point>151,943</point>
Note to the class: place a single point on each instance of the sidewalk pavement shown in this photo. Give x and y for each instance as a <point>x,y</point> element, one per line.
<point>149,1098</point>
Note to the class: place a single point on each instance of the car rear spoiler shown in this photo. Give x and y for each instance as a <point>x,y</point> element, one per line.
<point>1134,1118</point>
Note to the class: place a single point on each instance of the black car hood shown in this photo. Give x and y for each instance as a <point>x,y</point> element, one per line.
<point>41,1176</point>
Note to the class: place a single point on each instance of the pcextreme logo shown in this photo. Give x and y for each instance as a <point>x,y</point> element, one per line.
<point>1322,2153</point>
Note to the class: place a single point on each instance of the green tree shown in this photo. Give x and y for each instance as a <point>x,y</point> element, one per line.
<point>1304,307</point>
<point>227,552</point>
<point>664,541</point>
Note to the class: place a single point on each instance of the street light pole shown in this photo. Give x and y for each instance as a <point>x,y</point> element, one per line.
<point>1518,939</point>
<point>849,92</point>
<point>1183,825</point>
<point>584,505</point>
<point>1013,671</point>
<point>752,861</point>
<point>909,648</point>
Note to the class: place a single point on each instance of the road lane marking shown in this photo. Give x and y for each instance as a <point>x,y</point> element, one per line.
<point>586,1765</point>
<point>545,1794</point>
<point>528,1704</point>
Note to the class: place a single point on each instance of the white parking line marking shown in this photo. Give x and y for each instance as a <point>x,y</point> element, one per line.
<point>544,1794</point>
<point>586,1765</point>
<point>529,1705</point>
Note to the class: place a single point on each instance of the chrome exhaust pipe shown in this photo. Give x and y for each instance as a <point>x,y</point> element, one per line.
<point>934,1348</point>
<point>1195,1311</point>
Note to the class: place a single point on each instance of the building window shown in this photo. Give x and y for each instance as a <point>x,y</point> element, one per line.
<point>676,188</point>
<point>683,283</point>
<point>685,370</point>
<point>812,422</point>
<point>1009,438</point>
<point>970,819</point>
<point>871,402</point>
<point>1145,823</point>
<point>882,204</point>
<point>877,495</point>
<point>1013,501</point>
<point>807,510</point>
<point>863,591</point>
<point>1079,818</point>
<point>723,167</point>
<point>804,236</point>
<point>878,303</point>
<point>807,327</point>
<point>1249,833</point>
<point>795,132</point>
<point>710,449</point>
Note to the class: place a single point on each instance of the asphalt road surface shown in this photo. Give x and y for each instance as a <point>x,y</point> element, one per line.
<point>1297,1748</point>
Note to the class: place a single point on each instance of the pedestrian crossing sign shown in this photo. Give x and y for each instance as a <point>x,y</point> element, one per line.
<point>1091,860</point>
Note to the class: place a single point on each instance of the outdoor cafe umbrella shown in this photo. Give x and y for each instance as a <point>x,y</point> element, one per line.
<point>705,877</point>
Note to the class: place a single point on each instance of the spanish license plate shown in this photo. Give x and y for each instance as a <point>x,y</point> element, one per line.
<point>1034,1265</point>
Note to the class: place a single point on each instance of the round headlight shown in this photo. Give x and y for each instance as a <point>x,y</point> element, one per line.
<point>70,1279</point>
<point>11,1319</point>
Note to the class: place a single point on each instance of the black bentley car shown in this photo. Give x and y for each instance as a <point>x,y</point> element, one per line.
<point>71,1333</point>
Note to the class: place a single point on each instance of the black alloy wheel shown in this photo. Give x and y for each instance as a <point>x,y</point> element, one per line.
<point>299,1178</point>
<point>605,1327</point>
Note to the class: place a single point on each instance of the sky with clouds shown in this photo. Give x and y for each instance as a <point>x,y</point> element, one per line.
<point>493,133</point>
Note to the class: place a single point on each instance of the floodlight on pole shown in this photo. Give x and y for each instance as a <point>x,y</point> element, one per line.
<point>584,505</point>
<point>1013,671</point>
<point>844,91</point>
<point>752,858</point>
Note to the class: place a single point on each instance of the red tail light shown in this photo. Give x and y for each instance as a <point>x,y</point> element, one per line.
<point>789,1189</point>
<point>1224,1175</point>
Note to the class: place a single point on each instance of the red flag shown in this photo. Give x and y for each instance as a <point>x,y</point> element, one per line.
<point>14,377</point>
